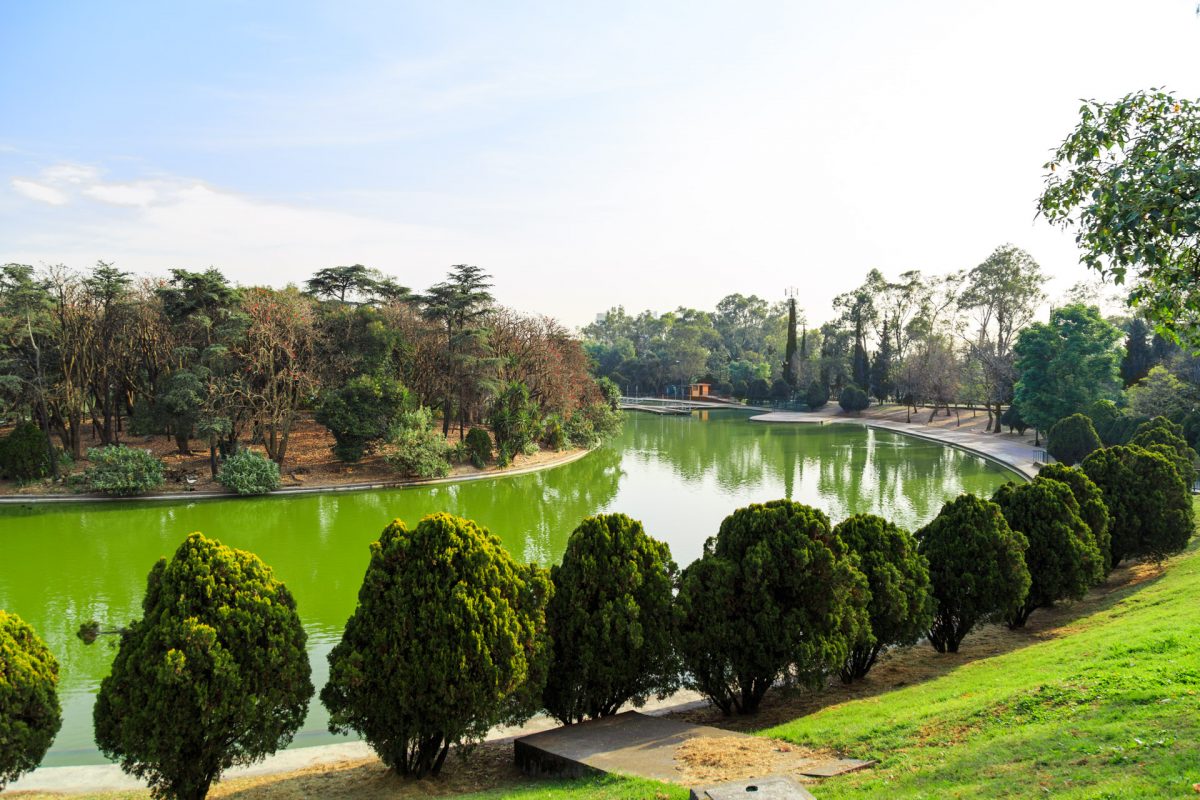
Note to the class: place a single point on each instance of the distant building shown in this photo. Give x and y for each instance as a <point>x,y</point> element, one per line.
<point>698,391</point>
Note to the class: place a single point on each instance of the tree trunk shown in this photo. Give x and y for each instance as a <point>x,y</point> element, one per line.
<point>212,458</point>
<point>181,443</point>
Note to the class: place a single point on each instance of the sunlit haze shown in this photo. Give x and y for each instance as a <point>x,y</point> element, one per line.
<point>587,155</point>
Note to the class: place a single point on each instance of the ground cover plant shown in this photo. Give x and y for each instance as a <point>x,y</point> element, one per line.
<point>122,471</point>
<point>1108,706</point>
<point>246,472</point>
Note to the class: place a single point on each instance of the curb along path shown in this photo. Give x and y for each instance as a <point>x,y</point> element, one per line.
<point>1017,456</point>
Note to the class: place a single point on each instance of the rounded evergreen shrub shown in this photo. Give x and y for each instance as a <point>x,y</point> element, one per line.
<point>1091,505</point>
<point>1012,419</point>
<point>853,399</point>
<point>1109,422</point>
<point>1149,506</point>
<point>901,605</point>
<point>1063,558</point>
<point>447,641</point>
<point>1071,439</point>
<point>24,454</point>
<point>1162,436</point>
<point>610,621</point>
<point>122,471</point>
<point>976,566</point>
<point>479,447</point>
<point>30,715</point>
<point>816,396</point>
<point>775,595</point>
<point>247,472</point>
<point>214,675</point>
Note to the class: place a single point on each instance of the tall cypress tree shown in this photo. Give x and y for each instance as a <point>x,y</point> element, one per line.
<point>789,358</point>
<point>882,385</point>
<point>1138,357</point>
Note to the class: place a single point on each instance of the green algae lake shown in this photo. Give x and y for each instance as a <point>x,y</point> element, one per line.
<point>64,564</point>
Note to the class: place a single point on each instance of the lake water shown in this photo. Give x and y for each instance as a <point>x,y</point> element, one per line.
<point>61,565</point>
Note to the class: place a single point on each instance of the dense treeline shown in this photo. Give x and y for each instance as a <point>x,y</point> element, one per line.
<point>98,357</point>
<point>969,338</point>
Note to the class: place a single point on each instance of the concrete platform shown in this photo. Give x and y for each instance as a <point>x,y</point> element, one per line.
<point>638,745</point>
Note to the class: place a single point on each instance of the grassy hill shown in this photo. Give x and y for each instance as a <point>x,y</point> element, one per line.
<point>1109,709</point>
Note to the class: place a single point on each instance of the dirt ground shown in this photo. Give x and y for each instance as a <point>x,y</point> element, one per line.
<point>309,463</point>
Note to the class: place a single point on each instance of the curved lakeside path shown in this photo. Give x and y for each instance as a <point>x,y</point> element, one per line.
<point>1019,456</point>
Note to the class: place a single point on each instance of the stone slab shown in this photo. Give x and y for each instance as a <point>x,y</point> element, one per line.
<point>636,744</point>
<point>774,787</point>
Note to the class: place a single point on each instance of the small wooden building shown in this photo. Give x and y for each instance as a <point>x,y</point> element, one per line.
<point>698,391</point>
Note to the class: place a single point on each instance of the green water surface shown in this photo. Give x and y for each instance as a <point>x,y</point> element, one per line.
<point>61,565</point>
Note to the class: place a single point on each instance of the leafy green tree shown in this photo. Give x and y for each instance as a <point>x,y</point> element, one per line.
<point>458,305</point>
<point>1065,364</point>
<point>361,413</point>
<point>775,594</point>
<point>853,399</point>
<point>1149,505</point>
<point>30,714</point>
<point>1063,558</point>
<point>122,471</point>
<point>901,605</point>
<point>1002,293</point>
<point>1071,439</point>
<point>246,472</point>
<point>976,565</point>
<point>353,284</point>
<point>610,621</point>
<point>1161,394</point>
<point>1090,500</point>
<point>23,453</point>
<point>214,675</point>
<point>447,641</point>
<point>1125,181</point>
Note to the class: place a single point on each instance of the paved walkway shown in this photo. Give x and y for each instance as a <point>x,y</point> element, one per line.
<point>1017,455</point>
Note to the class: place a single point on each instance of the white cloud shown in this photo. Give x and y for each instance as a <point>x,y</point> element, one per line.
<point>70,173</point>
<point>39,192</point>
<point>123,194</point>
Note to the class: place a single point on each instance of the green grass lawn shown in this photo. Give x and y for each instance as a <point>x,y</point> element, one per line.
<point>605,788</point>
<point>1109,710</point>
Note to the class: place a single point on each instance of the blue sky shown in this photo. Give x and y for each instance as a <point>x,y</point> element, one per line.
<point>587,154</point>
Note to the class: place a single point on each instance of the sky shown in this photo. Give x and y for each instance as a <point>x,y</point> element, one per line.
<point>586,154</point>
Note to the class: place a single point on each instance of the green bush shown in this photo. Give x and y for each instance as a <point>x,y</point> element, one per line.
<point>901,606</point>
<point>853,399</point>
<point>816,396</point>
<point>1091,505</point>
<point>1071,439</point>
<point>610,392</point>
<point>1063,558</point>
<point>554,435</point>
<point>247,472</point>
<point>592,424</point>
<point>122,471</point>
<point>24,453</point>
<point>976,566</point>
<point>1149,506</point>
<point>1109,422</point>
<point>479,447</point>
<point>417,450</point>
<point>775,595</point>
<point>447,641</point>
<point>214,675</point>
<point>361,413</point>
<point>610,621</point>
<point>1012,419</point>
<point>30,715</point>
<point>1162,436</point>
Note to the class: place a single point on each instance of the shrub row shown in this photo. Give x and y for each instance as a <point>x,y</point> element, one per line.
<point>451,636</point>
